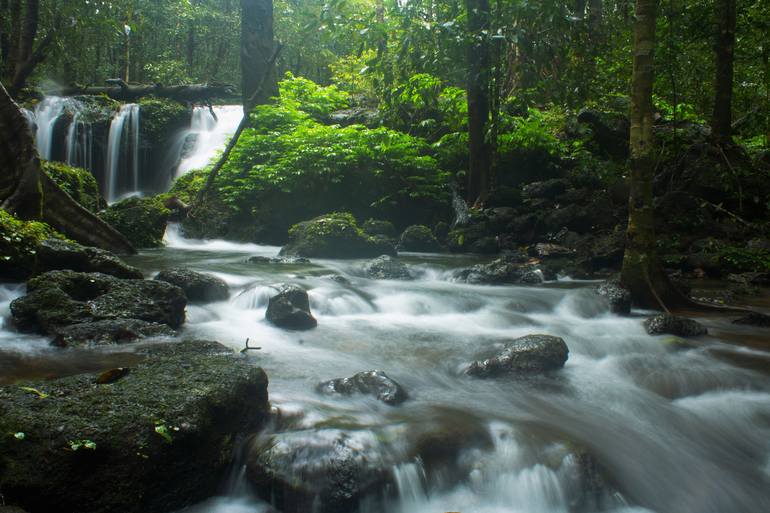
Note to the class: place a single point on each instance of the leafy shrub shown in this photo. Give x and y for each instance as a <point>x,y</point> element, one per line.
<point>161,117</point>
<point>78,183</point>
<point>301,94</point>
<point>18,244</point>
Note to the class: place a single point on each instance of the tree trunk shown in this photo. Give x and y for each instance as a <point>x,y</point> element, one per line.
<point>478,100</point>
<point>724,48</point>
<point>642,273</point>
<point>13,44</point>
<point>257,49</point>
<point>28,193</point>
<point>595,8</point>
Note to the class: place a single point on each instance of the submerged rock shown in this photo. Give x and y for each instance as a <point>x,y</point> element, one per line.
<point>326,471</point>
<point>334,235</point>
<point>290,309</point>
<point>158,439</point>
<point>387,268</point>
<point>109,331</point>
<point>56,254</point>
<point>198,287</point>
<point>667,324</point>
<point>418,238</point>
<point>61,298</point>
<point>754,319</point>
<point>532,354</point>
<point>375,383</point>
<point>616,295</point>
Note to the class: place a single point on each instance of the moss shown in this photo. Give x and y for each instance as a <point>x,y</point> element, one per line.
<point>18,245</point>
<point>418,238</point>
<point>141,220</point>
<point>160,118</point>
<point>334,235</point>
<point>77,182</point>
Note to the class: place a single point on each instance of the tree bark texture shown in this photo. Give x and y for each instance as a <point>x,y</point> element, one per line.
<point>257,49</point>
<point>478,100</point>
<point>724,50</point>
<point>28,193</point>
<point>642,273</point>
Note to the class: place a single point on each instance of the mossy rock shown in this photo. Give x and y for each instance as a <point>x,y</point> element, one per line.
<point>158,439</point>
<point>78,183</point>
<point>161,118</point>
<point>418,238</point>
<point>19,241</point>
<point>141,220</point>
<point>335,235</point>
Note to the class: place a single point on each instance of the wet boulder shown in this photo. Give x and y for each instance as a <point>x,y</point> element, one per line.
<point>550,250</point>
<point>532,354</point>
<point>610,131</point>
<point>324,471</point>
<point>618,297</point>
<point>418,238</point>
<point>509,269</point>
<point>279,260</point>
<point>667,324</point>
<point>387,268</point>
<point>335,235</point>
<point>376,227</point>
<point>754,319</point>
<point>57,254</point>
<point>61,298</point>
<point>547,189</point>
<point>108,332</point>
<point>141,443</point>
<point>198,287</point>
<point>290,309</point>
<point>375,383</point>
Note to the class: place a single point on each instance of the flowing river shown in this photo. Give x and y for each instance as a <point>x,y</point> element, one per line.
<point>674,430</point>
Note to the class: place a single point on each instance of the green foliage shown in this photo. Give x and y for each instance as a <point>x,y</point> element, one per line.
<point>18,244</point>
<point>743,259</point>
<point>141,221</point>
<point>76,445</point>
<point>680,112</point>
<point>301,94</point>
<point>532,133</point>
<point>78,183</point>
<point>423,106</point>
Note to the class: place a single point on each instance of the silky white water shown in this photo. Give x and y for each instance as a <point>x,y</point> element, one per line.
<point>209,135</point>
<point>676,431</point>
<point>122,167</point>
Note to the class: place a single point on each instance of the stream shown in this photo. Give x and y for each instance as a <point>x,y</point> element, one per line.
<point>679,431</point>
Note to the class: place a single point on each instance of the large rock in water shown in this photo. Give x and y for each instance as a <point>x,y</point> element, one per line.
<point>387,268</point>
<point>56,254</point>
<point>667,324</point>
<point>508,269</point>
<point>61,298</point>
<point>198,287</point>
<point>334,235</point>
<point>375,383</point>
<point>617,296</point>
<point>156,440</point>
<point>290,308</point>
<point>533,354</point>
<point>325,471</point>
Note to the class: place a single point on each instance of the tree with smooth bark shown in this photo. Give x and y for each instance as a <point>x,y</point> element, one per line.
<point>724,50</point>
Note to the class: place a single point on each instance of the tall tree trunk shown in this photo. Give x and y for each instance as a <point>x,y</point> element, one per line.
<point>27,192</point>
<point>259,82</point>
<point>478,100</point>
<point>642,273</point>
<point>15,38</point>
<point>724,48</point>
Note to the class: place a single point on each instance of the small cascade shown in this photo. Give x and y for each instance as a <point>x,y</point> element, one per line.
<point>80,144</point>
<point>122,167</point>
<point>47,113</point>
<point>208,135</point>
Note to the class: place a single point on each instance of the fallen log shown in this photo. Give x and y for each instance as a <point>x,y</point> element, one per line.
<point>120,91</point>
<point>28,193</point>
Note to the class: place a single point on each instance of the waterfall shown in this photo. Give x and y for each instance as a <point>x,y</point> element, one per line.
<point>207,136</point>
<point>47,113</point>
<point>123,153</point>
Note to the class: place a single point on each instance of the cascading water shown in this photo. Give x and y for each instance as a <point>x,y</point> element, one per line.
<point>122,167</point>
<point>207,135</point>
<point>80,144</point>
<point>47,113</point>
